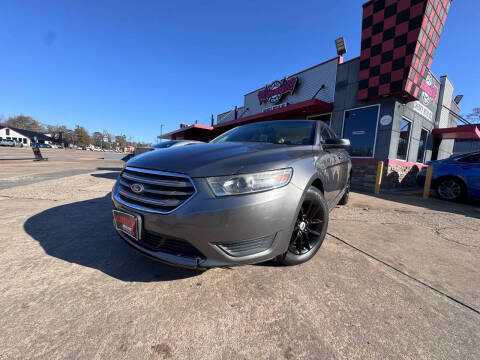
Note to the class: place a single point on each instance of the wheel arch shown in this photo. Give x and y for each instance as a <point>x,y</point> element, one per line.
<point>449,176</point>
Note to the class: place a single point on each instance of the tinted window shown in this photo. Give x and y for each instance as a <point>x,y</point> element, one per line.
<point>278,132</point>
<point>360,127</point>
<point>165,144</point>
<point>404,139</point>
<point>326,133</point>
<point>422,145</point>
<point>472,159</point>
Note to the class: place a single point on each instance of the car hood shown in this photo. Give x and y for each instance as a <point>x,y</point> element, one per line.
<point>216,159</point>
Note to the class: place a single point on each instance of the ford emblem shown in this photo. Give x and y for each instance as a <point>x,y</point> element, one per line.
<point>137,188</point>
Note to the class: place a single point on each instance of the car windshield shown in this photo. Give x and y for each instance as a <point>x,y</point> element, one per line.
<point>165,144</point>
<point>296,132</point>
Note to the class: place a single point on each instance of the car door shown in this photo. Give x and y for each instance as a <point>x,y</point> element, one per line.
<point>335,163</point>
<point>470,171</point>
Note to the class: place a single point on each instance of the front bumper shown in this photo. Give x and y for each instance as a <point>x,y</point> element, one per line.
<point>221,228</point>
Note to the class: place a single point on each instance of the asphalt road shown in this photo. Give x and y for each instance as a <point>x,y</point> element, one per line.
<point>397,278</point>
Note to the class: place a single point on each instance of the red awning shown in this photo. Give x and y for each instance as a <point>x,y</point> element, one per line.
<point>292,111</point>
<point>192,132</point>
<point>465,132</point>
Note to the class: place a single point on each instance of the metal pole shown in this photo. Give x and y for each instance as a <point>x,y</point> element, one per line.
<point>428,182</point>
<point>378,180</point>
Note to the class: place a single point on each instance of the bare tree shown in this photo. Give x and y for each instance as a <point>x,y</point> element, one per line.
<point>474,117</point>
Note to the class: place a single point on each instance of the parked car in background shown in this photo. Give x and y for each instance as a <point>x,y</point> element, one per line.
<point>257,192</point>
<point>174,143</point>
<point>456,177</point>
<point>5,142</point>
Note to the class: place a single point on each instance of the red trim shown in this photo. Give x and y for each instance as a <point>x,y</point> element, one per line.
<point>307,107</point>
<point>194,126</point>
<point>466,132</point>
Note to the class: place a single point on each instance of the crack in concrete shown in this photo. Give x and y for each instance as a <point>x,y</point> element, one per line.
<point>471,308</point>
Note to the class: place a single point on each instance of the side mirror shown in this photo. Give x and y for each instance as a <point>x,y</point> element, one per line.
<point>336,144</point>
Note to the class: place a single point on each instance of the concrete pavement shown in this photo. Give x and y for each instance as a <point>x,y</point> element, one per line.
<point>398,279</point>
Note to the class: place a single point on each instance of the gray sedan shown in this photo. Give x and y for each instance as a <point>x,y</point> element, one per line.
<point>257,192</point>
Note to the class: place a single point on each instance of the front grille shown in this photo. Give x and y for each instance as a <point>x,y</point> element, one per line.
<point>173,246</point>
<point>161,192</point>
<point>247,247</point>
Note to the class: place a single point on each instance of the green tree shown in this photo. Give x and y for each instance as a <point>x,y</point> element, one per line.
<point>25,123</point>
<point>97,139</point>
<point>81,136</point>
<point>121,140</point>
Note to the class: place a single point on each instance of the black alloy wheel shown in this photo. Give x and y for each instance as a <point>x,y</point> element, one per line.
<point>309,230</point>
<point>450,189</point>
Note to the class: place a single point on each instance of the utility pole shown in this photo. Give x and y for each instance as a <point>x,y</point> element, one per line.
<point>161,132</point>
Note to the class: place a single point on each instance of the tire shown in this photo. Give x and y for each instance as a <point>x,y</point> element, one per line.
<point>309,230</point>
<point>346,195</point>
<point>450,188</point>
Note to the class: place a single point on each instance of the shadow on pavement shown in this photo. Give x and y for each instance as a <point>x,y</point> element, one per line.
<point>109,175</point>
<point>109,168</point>
<point>82,233</point>
<point>468,207</point>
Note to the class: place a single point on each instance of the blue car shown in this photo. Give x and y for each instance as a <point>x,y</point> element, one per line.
<point>456,177</point>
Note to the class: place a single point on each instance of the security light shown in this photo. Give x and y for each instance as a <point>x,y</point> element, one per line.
<point>341,47</point>
<point>458,98</point>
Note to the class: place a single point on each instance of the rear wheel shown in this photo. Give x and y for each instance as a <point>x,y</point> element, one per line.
<point>309,231</point>
<point>450,188</point>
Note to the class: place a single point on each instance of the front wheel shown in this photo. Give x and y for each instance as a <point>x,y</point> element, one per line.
<point>450,189</point>
<point>309,231</point>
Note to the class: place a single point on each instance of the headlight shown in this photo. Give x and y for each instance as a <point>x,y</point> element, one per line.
<point>249,183</point>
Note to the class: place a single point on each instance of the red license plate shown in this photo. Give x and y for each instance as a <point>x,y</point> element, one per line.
<point>127,223</point>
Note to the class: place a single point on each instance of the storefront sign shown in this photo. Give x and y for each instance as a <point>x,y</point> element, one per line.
<point>429,90</point>
<point>273,107</point>
<point>423,110</point>
<point>274,92</point>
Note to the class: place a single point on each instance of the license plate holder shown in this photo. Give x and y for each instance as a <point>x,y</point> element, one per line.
<point>130,224</point>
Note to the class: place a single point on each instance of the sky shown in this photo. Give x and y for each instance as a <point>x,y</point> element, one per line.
<point>130,66</point>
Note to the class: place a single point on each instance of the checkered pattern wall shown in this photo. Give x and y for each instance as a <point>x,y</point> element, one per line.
<point>399,39</point>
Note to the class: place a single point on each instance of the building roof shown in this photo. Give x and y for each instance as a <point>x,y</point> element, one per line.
<point>28,133</point>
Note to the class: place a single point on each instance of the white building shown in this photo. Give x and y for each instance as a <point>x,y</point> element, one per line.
<point>26,137</point>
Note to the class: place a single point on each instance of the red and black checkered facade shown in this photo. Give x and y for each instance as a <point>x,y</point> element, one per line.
<point>399,39</point>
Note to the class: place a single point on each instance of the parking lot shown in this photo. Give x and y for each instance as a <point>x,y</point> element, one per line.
<point>396,278</point>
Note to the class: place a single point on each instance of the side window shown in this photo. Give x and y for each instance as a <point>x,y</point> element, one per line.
<point>473,159</point>
<point>326,133</point>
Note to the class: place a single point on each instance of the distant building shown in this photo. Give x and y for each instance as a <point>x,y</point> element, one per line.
<point>26,137</point>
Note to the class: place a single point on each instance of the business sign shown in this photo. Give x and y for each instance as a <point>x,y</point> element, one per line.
<point>421,109</point>
<point>274,92</point>
<point>273,107</point>
<point>430,91</point>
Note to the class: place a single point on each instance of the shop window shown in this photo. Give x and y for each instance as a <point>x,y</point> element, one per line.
<point>404,141</point>
<point>360,127</point>
<point>422,144</point>
<point>7,132</point>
